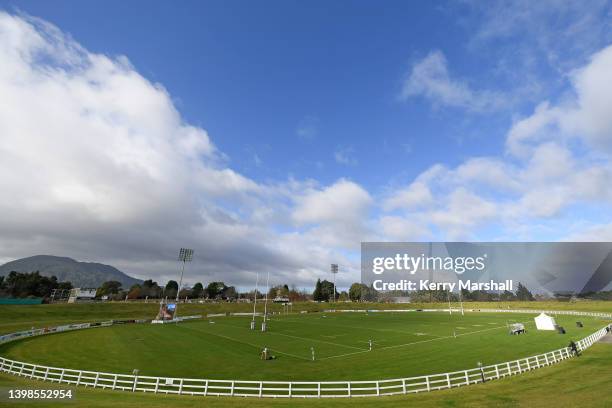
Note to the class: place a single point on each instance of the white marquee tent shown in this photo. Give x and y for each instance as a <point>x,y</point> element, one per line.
<point>545,322</point>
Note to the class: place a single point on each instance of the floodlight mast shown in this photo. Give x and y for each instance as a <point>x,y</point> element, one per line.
<point>334,271</point>
<point>185,255</point>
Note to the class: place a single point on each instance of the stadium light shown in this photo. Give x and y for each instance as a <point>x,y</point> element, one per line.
<point>185,255</point>
<point>334,271</point>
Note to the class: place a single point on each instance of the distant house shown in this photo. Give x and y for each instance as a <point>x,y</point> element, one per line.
<point>280,299</point>
<point>82,295</point>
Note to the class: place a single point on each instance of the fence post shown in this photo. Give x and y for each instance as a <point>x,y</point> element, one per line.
<point>260,388</point>
<point>181,386</point>
<point>427,383</point>
<point>61,376</point>
<point>348,388</point>
<point>448,380</point>
<point>156,385</point>
<point>377,388</point>
<point>206,388</point>
<point>135,382</point>
<point>404,385</point>
<point>96,380</point>
<point>79,378</point>
<point>115,382</point>
<point>46,374</point>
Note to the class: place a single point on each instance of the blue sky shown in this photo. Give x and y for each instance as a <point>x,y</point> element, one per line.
<point>253,74</point>
<point>318,125</point>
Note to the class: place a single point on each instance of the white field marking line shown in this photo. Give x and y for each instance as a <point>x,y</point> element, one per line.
<point>299,338</point>
<point>357,328</point>
<point>413,343</point>
<point>248,344</point>
<point>323,335</point>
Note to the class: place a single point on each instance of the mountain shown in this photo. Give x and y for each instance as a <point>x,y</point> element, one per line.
<point>81,274</point>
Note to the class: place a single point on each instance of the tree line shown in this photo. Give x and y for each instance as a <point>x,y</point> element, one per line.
<point>33,284</point>
<point>29,284</point>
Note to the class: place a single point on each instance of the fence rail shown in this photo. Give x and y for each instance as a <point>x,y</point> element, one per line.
<point>285,389</point>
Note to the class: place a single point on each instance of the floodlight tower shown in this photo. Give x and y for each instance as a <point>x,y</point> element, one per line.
<point>334,271</point>
<point>185,255</point>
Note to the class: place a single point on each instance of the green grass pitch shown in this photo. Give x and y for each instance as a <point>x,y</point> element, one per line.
<point>404,344</point>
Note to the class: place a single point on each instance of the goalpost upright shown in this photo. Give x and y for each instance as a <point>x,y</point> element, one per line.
<point>264,323</point>
<point>255,301</point>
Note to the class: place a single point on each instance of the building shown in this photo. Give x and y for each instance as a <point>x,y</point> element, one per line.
<point>82,295</point>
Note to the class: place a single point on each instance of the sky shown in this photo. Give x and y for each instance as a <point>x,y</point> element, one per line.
<point>276,136</point>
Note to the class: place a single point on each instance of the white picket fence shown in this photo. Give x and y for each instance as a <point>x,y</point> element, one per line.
<point>290,389</point>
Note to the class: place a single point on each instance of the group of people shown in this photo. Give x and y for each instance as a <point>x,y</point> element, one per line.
<point>265,353</point>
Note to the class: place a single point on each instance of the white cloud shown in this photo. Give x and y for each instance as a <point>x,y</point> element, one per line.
<point>463,212</point>
<point>591,233</point>
<point>561,33</point>
<point>404,228</point>
<point>587,116</point>
<point>335,216</point>
<point>97,163</point>
<point>430,79</point>
<point>415,195</point>
<point>342,202</point>
<point>559,158</point>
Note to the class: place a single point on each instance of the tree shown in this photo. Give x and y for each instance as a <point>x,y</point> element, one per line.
<point>317,295</point>
<point>109,288</point>
<point>356,291</point>
<point>171,289</point>
<point>230,293</point>
<point>215,289</point>
<point>135,292</point>
<point>279,290</point>
<point>65,285</point>
<point>327,288</point>
<point>522,293</point>
<point>197,290</point>
<point>507,295</point>
<point>1,282</point>
<point>19,284</point>
<point>324,291</point>
<point>185,293</point>
<point>151,289</point>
